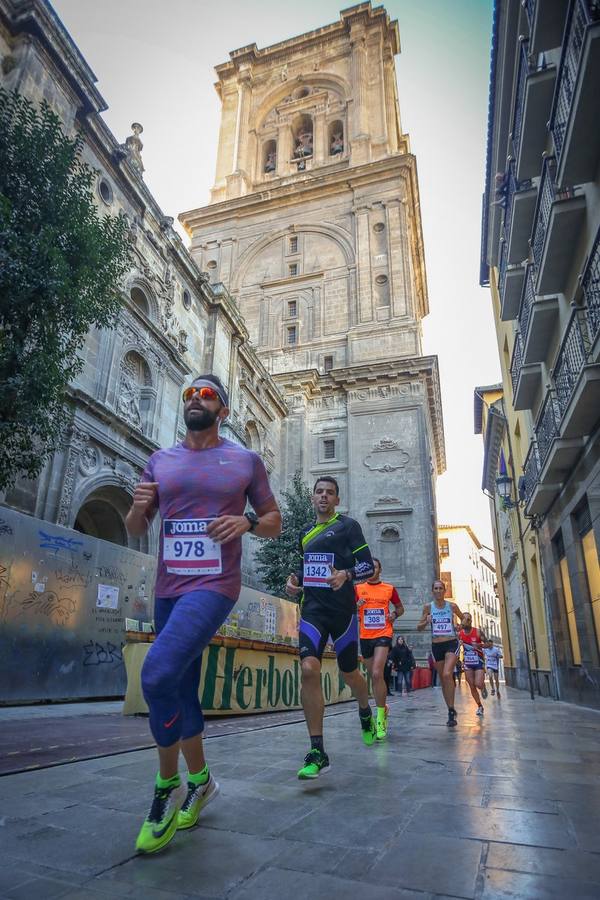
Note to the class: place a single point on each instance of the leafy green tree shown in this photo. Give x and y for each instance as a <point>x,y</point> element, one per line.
<point>61,267</point>
<point>276,559</point>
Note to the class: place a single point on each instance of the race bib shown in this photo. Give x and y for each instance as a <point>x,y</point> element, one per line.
<point>442,627</point>
<point>472,658</point>
<point>317,567</point>
<point>374,618</point>
<point>187,549</point>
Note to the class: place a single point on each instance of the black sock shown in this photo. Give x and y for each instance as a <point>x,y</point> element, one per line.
<point>316,742</point>
<point>365,713</point>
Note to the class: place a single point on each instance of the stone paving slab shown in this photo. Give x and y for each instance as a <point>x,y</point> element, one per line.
<point>508,807</point>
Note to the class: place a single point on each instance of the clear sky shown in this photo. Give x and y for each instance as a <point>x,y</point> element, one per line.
<point>154,63</point>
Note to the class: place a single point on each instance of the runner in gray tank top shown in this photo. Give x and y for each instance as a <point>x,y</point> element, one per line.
<point>441,616</point>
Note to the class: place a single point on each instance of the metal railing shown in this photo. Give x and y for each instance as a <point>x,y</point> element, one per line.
<point>512,187</point>
<point>502,267</point>
<point>516,363</point>
<point>531,471</point>
<point>546,197</point>
<point>530,6</point>
<point>527,301</point>
<point>522,74</point>
<point>547,426</point>
<point>582,13</point>
<point>571,360</point>
<point>590,284</point>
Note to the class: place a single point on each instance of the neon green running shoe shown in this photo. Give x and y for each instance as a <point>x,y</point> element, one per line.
<point>197,797</point>
<point>382,723</point>
<point>315,764</point>
<point>369,731</point>
<point>161,823</point>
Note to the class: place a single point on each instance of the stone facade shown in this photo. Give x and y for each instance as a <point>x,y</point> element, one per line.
<point>314,227</point>
<point>173,324</point>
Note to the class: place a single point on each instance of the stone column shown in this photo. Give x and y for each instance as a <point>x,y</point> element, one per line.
<point>241,131</point>
<point>360,135</point>
<point>396,262</point>
<point>390,103</point>
<point>365,290</point>
<point>284,148</point>
<point>321,149</point>
<point>359,83</point>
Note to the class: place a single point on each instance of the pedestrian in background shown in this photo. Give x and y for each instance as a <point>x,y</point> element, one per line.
<point>388,672</point>
<point>404,662</point>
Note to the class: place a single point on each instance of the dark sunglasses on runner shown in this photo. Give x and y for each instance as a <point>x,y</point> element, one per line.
<point>205,393</point>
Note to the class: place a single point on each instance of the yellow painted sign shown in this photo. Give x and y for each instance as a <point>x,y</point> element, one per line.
<point>240,679</point>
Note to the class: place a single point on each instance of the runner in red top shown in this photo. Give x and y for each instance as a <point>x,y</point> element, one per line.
<point>473,641</point>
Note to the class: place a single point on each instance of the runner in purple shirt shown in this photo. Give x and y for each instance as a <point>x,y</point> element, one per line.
<point>200,489</point>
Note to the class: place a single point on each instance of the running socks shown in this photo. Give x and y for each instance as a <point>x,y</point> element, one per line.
<point>316,742</point>
<point>167,783</point>
<point>365,713</point>
<point>200,777</point>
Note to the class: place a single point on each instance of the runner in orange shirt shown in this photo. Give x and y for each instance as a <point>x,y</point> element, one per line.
<point>373,599</point>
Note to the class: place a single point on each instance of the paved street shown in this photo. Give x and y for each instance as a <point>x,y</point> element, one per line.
<point>507,807</point>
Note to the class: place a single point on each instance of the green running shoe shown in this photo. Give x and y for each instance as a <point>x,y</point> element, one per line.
<point>369,731</point>
<point>161,823</point>
<point>315,764</point>
<point>198,796</point>
<point>382,723</point>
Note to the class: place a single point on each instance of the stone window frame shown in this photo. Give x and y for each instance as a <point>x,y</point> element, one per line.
<point>101,183</point>
<point>292,309</point>
<point>323,440</point>
<point>147,394</point>
<point>328,363</point>
<point>292,330</point>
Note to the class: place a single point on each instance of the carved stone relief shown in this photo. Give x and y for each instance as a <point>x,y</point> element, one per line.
<point>387,456</point>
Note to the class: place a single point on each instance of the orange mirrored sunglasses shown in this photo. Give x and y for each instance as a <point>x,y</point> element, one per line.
<point>205,393</point>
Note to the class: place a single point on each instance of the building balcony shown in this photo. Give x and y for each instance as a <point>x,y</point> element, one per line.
<point>538,317</point>
<point>510,286</point>
<point>577,382</point>
<point>518,218</point>
<point>558,219</point>
<point>557,454</point>
<point>574,118</point>
<point>526,379</point>
<point>538,495</point>
<point>546,23</point>
<point>533,102</point>
<point>590,286</point>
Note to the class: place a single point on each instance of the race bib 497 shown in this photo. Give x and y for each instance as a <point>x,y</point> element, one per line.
<point>188,550</point>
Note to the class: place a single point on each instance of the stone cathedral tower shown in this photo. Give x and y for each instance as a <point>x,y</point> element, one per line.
<point>314,227</point>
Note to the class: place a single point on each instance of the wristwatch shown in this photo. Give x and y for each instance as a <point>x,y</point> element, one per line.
<point>253,519</point>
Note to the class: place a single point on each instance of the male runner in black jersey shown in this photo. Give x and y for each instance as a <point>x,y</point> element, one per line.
<point>333,554</point>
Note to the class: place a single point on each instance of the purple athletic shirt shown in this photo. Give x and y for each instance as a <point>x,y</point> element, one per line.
<point>203,484</point>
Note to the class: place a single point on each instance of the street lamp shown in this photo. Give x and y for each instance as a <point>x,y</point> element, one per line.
<point>504,488</point>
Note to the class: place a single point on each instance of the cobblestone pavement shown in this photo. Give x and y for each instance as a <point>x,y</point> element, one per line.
<point>504,807</point>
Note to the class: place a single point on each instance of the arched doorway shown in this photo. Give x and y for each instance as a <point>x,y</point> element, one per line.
<point>102,515</point>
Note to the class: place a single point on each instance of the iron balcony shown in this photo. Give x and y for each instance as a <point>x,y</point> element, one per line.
<point>556,227</point>
<point>576,105</point>
<point>526,379</point>
<point>510,285</point>
<point>538,317</point>
<point>533,102</point>
<point>518,216</point>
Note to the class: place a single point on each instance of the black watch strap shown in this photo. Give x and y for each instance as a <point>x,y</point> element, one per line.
<point>253,519</point>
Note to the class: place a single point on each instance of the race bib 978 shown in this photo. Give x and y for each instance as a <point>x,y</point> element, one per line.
<point>188,550</point>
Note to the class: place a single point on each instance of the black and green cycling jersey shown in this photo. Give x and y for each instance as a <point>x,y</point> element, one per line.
<point>340,541</point>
